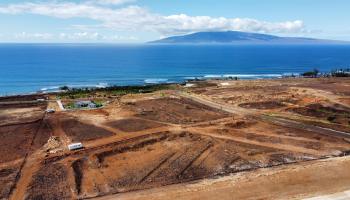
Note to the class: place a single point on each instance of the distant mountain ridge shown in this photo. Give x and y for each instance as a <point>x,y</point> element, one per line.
<point>237,37</point>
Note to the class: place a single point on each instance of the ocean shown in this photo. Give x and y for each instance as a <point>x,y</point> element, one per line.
<point>27,68</point>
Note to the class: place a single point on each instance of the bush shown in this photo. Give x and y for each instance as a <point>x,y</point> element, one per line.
<point>313,73</point>
<point>98,103</point>
<point>65,88</point>
<point>70,105</point>
<point>76,93</point>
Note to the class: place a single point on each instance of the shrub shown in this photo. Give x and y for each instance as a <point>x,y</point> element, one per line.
<point>313,73</point>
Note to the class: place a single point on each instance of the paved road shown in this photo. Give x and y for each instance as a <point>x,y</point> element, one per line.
<point>60,105</point>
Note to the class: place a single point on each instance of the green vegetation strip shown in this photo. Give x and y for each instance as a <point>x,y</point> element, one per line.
<point>75,93</point>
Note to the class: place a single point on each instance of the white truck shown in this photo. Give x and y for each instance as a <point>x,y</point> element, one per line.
<point>75,146</point>
<point>50,110</point>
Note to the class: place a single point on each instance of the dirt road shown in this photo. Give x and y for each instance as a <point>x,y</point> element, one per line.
<point>230,109</point>
<point>285,122</point>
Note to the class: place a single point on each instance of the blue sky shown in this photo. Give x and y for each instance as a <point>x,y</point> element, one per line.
<point>133,21</point>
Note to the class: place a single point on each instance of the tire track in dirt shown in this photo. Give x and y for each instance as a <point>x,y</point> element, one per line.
<point>29,166</point>
<point>208,146</point>
<point>283,147</point>
<point>167,158</point>
<point>299,125</point>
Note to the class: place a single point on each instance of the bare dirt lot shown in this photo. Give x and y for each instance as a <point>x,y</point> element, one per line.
<point>209,132</point>
<point>50,182</point>
<point>162,159</point>
<point>79,131</point>
<point>176,111</point>
<point>133,124</point>
<point>8,176</point>
<point>22,132</point>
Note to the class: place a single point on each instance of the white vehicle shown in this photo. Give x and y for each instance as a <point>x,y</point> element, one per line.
<point>50,110</point>
<point>75,146</point>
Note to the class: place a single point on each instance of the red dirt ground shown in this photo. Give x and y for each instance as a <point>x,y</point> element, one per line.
<point>167,158</point>
<point>15,140</point>
<point>177,111</point>
<point>133,124</point>
<point>79,131</point>
<point>50,183</point>
<point>170,140</point>
<point>8,177</point>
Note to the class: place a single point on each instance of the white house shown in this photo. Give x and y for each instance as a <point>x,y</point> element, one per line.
<point>85,104</point>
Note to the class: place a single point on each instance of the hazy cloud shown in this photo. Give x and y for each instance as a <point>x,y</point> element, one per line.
<point>137,18</point>
<point>112,2</point>
<point>77,36</point>
<point>35,36</point>
<point>183,23</point>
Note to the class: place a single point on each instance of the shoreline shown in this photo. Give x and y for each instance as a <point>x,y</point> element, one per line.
<point>165,82</point>
<point>47,89</point>
<point>155,82</point>
<point>152,85</point>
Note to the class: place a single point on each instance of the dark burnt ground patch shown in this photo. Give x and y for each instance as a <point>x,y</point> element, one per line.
<point>263,105</point>
<point>22,98</point>
<point>50,183</point>
<point>79,131</point>
<point>16,140</point>
<point>240,124</point>
<point>11,105</point>
<point>133,124</point>
<point>335,114</point>
<point>8,179</point>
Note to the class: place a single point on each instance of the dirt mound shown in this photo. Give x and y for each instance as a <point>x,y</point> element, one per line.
<point>177,111</point>
<point>133,125</point>
<point>53,145</point>
<point>263,105</point>
<point>79,131</point>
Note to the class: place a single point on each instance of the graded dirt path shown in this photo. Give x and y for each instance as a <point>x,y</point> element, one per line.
<point>295,181</point>
<point>31,165</point>
<point>263,144</point>
<point>242,111</point>
<point>230,109</point>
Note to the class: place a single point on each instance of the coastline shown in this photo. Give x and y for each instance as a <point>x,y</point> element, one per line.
<point>156,86</point>
<point>153,82</point>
